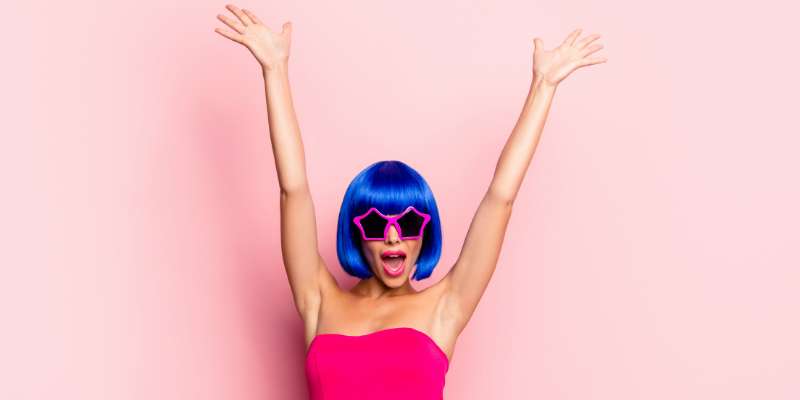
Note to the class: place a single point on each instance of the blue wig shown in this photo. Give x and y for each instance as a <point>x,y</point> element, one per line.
<point>390,186</point>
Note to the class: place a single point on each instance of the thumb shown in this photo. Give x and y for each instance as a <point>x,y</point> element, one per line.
<point>287,27</point>
<point>537,43</point>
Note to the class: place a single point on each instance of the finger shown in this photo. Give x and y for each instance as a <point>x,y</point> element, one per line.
<point>585,41</point>
<point>230,22</point>
<point>592,61</point>
<point>571,38</point>
<point>239,14</point>
<point>228,34</point>
<point>537,44</point>
<point>252,16</point>
<point>591,49</point>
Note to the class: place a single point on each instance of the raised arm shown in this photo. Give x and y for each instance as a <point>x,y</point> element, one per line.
<point>470,275</point>
<point>307,273</point>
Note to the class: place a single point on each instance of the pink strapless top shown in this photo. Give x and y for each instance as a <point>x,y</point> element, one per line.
<point>389,364</point>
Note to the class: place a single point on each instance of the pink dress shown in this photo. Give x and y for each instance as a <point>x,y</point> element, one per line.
<point>389,364</point>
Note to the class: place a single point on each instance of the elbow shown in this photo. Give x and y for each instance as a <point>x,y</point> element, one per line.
<point>499,197</point>
<point>293,189</point>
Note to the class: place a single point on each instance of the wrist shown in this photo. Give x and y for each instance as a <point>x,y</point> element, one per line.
<point>539,82</point>
<point>278,67</point>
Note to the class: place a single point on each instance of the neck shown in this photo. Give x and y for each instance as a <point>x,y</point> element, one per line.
<point>374,288</point>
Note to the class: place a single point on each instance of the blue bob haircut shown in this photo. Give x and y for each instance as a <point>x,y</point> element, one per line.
<point>390,186</point>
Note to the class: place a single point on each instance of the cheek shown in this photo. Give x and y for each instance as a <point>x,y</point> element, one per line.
<point>368,252</point>
<point>418,248</point>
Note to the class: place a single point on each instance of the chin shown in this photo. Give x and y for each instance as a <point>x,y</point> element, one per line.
<point>392,281</point>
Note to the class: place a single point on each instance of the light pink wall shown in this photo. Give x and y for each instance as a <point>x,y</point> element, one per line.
<point>652,254</point>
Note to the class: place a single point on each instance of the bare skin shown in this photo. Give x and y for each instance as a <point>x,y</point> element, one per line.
<point>382,301</point>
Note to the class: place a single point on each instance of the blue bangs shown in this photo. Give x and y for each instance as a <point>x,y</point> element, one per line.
<point>389,186</point>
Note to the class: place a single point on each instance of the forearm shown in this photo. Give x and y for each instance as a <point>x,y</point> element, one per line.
<point>521,144</point>
<point>284,131</point>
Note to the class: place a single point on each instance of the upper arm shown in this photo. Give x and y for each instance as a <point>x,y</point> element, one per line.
<point>305,268</point>
<point>470,275</point>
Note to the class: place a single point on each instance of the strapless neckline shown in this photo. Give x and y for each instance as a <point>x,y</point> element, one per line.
<point>379,332</point>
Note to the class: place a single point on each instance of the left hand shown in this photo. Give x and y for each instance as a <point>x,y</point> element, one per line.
<point>269,47</point>
<point>552,66</point>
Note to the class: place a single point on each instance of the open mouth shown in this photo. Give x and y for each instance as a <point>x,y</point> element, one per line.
<point>394,264</point>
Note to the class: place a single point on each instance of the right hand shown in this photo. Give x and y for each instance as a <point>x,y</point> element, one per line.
<point>270,48</point>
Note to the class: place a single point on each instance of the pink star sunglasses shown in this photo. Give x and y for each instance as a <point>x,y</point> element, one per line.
<point>375,226</point>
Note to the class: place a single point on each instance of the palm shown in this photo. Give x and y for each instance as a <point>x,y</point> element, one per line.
<point>265,44</point>
<point>269,48</point>
<point>556,64</point>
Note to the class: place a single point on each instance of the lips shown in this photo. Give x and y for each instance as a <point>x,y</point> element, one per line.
<point>394,262</point>
<point>393,253</point>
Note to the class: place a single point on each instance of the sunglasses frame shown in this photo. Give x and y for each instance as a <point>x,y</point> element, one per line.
<point>392,221</point>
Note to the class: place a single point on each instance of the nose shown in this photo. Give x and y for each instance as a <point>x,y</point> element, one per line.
<point>393,236</point>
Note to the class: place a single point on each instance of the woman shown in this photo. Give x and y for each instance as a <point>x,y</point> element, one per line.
<point>383,339</point>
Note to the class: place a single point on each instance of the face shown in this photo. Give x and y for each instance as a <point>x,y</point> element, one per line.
<point>393,271</point>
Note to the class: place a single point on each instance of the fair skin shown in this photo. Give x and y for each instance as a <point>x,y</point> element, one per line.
<point>382,301</point>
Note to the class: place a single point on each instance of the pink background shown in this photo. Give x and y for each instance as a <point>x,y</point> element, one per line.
<point>652,253</point>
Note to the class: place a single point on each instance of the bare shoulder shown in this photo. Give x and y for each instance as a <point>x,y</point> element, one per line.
<point>328,286</point>
<point>327,289</point>
<point>436,291</point>
<point>447,308</point>
<point>448,321</point>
